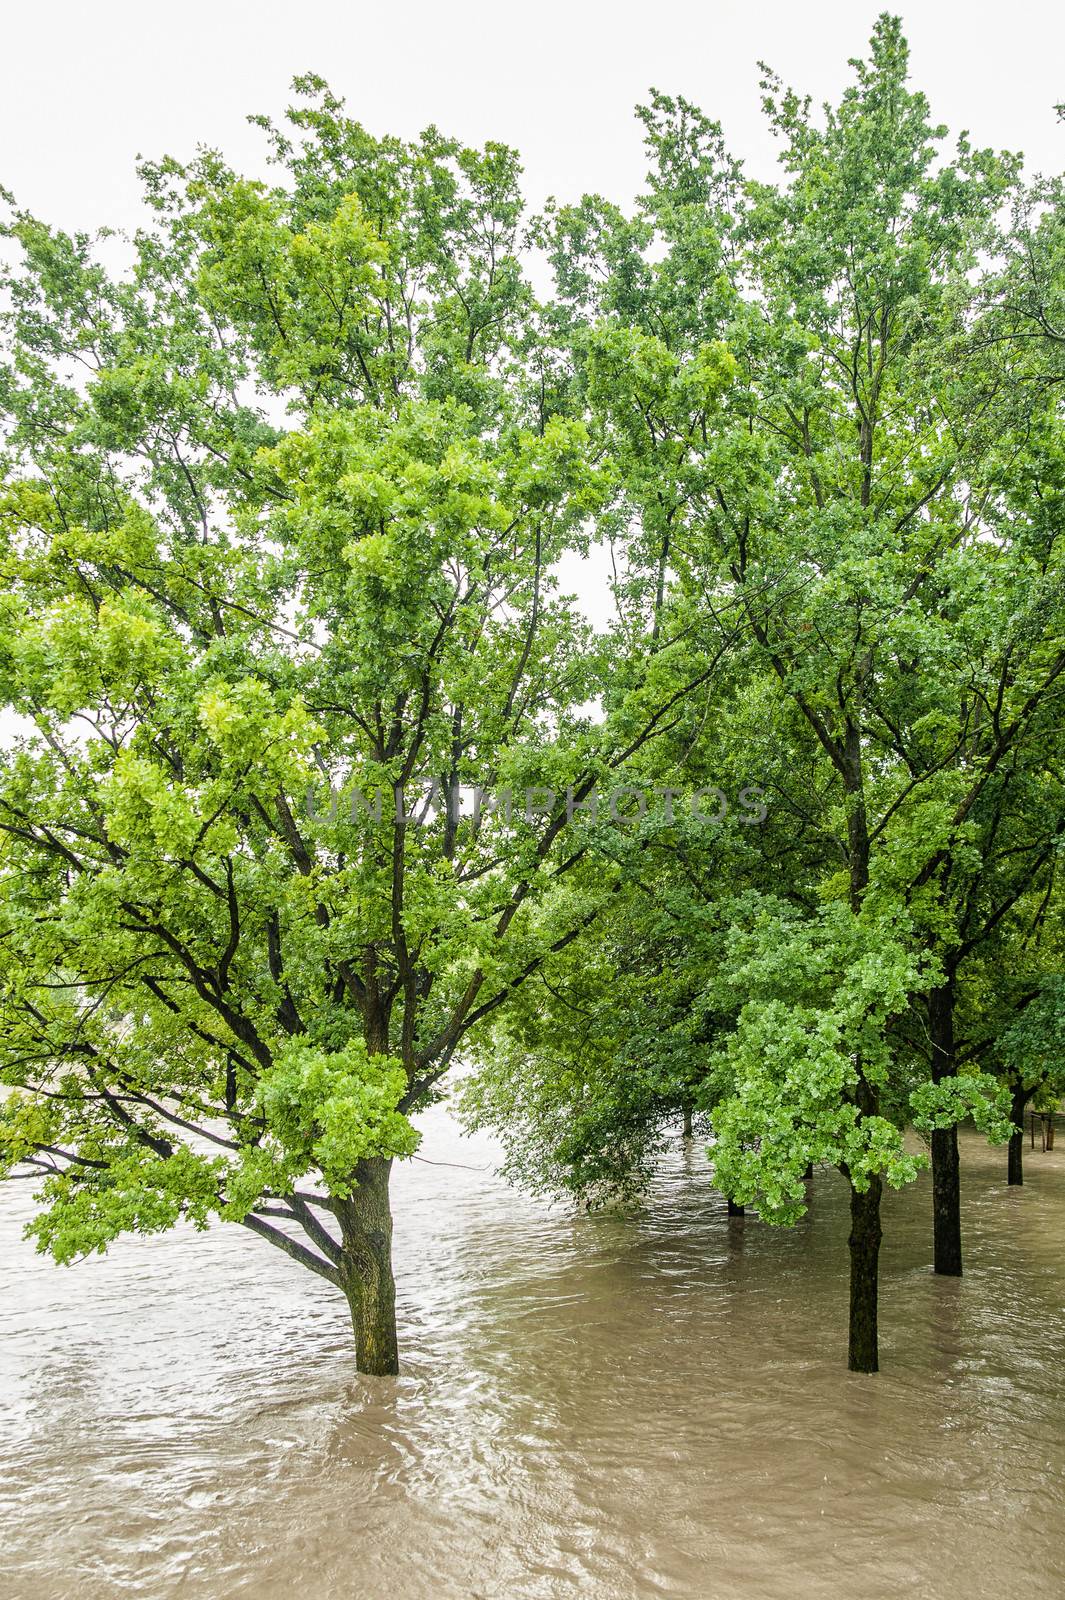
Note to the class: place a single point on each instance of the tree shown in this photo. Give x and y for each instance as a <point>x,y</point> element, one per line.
<point>588,1075</point>
<point>856,496</point>
<point>603,1055</point>
<point>281,506</point>
<point>1010,1011</point>
<point>877,492</point>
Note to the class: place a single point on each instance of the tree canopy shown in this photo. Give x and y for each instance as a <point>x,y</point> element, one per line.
<point>315,784</point>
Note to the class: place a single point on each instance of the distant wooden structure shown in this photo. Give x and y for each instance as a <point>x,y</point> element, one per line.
<point>1045,1120</point>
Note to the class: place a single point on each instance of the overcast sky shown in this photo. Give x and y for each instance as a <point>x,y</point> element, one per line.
<point>87,84</point>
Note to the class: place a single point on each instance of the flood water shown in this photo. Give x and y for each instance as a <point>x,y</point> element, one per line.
<point>592,1406</point>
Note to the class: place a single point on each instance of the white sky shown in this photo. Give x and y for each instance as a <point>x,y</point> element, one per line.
<point>87,84</point>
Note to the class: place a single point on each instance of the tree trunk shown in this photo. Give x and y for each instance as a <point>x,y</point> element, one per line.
<point>733,1209</point>
<point>946,1172</point>
<point>687,1122</point>
<point>864,1244</point>
<point>865,1232</point>
<point>946,1202</point>
<point>366,1271</point>
<point>1015,1150</point>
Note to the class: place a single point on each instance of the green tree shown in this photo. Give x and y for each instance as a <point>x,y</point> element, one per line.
<point>280,511</point>
<point>875,494</point>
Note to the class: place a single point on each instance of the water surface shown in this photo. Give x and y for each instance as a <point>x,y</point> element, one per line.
<point>589,1405</point>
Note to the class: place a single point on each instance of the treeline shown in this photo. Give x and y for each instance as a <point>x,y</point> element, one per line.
<point>813,428</point>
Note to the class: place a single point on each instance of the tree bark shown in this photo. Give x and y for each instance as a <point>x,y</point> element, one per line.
<point>865,1234</point>
<point>946,1203</point>
<point>1015,1149</point>
<point>946,1171</point>
<point>687,1122</point>
<point>366,1269</point>
<point>864,1241</point>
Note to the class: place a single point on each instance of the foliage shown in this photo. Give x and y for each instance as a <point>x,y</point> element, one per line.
<point>871,509</point>
<point>281,510</point>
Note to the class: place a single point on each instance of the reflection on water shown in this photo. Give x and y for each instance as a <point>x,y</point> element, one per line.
<point>590,1406</point>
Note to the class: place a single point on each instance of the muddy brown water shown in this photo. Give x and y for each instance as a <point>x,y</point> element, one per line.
<point>590,1406</point>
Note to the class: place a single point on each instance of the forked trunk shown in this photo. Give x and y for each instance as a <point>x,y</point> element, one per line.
<point>366,1270</point>
<point>865,1235</point>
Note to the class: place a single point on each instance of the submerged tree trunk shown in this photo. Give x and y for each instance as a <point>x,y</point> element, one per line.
<point>946,1171</point>
<point>864,1241</point>
<point>946,1202</point>
<point>1015,1156</point>
<point>366,1269</point>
